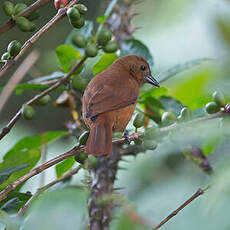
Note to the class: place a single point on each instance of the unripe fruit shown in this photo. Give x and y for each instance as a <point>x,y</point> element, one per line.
<point>73,14</point>
<point>168,117</point>
<point>19,7</point>
<point>152,133</point>
<point>103,37</point>
<point>92,162</point>
<point>81,157</point>
<point>79,83</point>
<point>83,138</point>
<point>91,50</point>
<point>79,40</point>
<point>14,48</point>
<point>212,107</point>
<point>81,8</point>
<point>150,144</point>
<point>185,114</point>
<point>60,3</point>
<point>8,8</point>
<point>44,100</point>
<point>28,112</point>
<point>5,57</point>
<point>78,24</point>
<point>218,97</point>
<point>24,24</point>
<point>227,108</point>
<point>110,47</point>
<point>139,120</point>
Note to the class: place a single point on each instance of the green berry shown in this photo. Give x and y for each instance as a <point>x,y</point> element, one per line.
<point>218,97</point>
<point>8,8</point>
<point>103,37</point>
<point>19,7</point>
<point>73,14</point>
<point>35,15</point>
<point>5,57</point>
<point>78,24</point>
<point>24,24</point>
<point>79,40</point>
<point>81,8</point>
<point>83,138</point>
<point>44,100</point>
<point>152,133</point>
<point>110,47</point>
<point>14,48</point>
<point>139,120</point>
<point>92,162</point>
<point>150,144</point>
<point>185,114</point>
<point>168,118</point>
<point>212,107</point>
<point>28,112</point>
<point>79,83</point>
<point>91,50</point>
<point>81,157</point>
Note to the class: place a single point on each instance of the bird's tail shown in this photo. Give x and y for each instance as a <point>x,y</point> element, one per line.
<point>99,142</point>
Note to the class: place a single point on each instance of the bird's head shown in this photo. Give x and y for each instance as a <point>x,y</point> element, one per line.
<point>139,69</point>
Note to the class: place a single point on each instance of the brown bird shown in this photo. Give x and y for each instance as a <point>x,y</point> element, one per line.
<point>109,101</point>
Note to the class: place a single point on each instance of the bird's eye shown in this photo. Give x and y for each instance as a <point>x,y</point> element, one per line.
<point>143,68</point>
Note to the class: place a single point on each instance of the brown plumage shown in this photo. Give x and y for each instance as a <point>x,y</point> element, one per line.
<point>110,99</point>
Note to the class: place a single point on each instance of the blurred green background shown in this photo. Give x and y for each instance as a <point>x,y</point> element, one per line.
<point>156,182</point>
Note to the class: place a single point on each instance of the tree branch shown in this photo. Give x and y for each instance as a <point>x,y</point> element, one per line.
<point>17,77</point>
<point>10,23</point>
<point>193,197</point>
<point>60,14</point>
<point>42,189</point>
<point>16,117</point>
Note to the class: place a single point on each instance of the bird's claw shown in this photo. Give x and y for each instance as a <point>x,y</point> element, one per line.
<point>126,136</point>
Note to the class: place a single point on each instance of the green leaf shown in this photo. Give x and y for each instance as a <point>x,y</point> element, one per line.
<point>132,46</point>
<point>64,166</point>
<point>34,142</point>
<point>11,205</point>
<point>101,19</point>
<point>29,86</point>
<point>209,146</point>
<point>171,104</point>
<point>5,174</point>
<point>153,92</point>
<point>181,67</point>
<point>104,62</point>
<point>29,157</point>
<point>66,54</point>
<point>55,75</point>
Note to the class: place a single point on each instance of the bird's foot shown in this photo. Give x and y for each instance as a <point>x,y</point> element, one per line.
<point>126,136</point>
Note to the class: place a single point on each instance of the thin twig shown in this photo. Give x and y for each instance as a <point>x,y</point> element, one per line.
<point>60,14</point>
<point>43,160</point>
<point>193,197</point>
<point>19,74</point>
<point>42,189</point>
<point>16,117</point>
<point>29,10</point>
<point>11,187</point>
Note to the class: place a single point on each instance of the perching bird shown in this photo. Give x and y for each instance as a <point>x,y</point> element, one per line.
<point>109,101</point>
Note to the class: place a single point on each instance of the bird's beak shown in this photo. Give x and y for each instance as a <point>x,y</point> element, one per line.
<point>151,80</point>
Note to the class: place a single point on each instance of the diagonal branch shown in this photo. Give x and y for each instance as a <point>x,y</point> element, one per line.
<point>60,14</point>
<point>16,117</point>
<point>42,189</point>
<point>175,212</point>
<point>29,10</point>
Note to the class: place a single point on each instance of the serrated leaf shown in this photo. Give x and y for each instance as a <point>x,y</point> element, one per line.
<point>171,104</point>
<point>64,166</point>
<point>132,46</point>
<point>5,174</point>
<point>66,54</point>
<point>181,67</point>
<point>104,62</point>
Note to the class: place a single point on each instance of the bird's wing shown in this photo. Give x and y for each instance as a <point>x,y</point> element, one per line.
<point>107,98</point>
